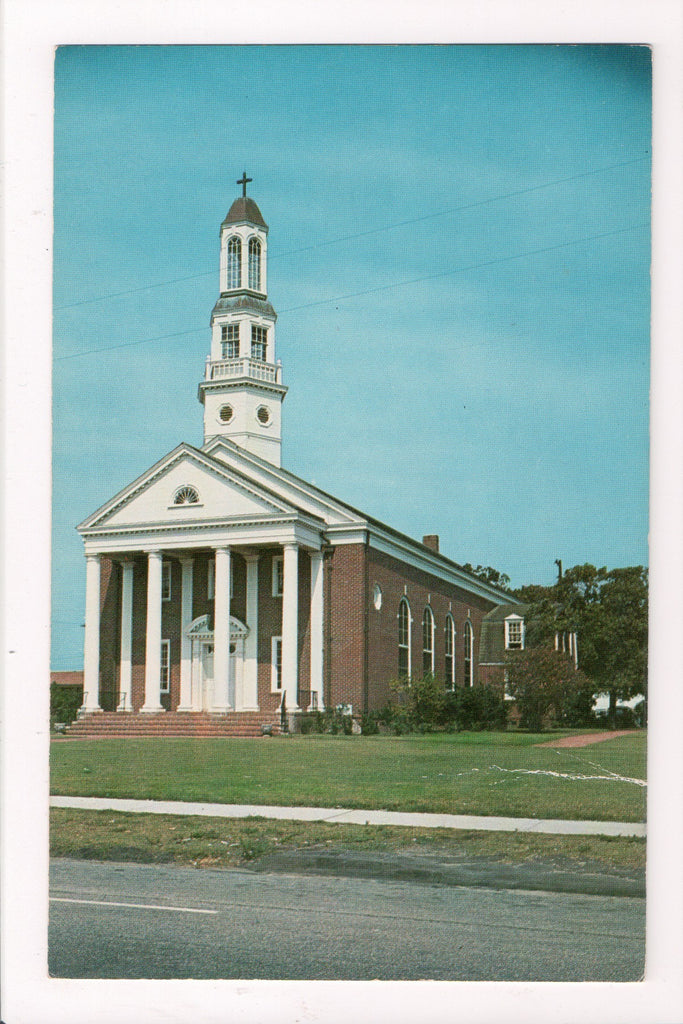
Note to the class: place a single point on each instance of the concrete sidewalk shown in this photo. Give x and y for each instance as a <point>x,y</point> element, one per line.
<point>342,816</point>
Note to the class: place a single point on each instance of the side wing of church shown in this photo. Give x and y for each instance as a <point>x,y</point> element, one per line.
<point>220,584</point>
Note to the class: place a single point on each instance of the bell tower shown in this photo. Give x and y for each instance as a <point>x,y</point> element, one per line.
<point>242,391</point>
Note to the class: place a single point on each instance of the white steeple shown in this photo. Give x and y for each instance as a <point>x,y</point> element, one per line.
<point>242,392</point>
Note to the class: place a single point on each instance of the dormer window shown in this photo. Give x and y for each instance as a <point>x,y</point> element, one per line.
<point>514,634</point>
<point>186,495</point>
<point>259,340</point>
<point>255,264</point>
<point>234,262</point>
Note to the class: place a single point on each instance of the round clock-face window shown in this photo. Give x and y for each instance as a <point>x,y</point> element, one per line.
<point>263,414</point>
<point>226,413</point>
<point>377,596</point>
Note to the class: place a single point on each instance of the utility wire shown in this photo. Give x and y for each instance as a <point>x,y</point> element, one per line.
<point>371,291</point>
<point>362,234</point>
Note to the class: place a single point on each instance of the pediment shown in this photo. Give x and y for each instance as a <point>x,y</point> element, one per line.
<point>187,487</point>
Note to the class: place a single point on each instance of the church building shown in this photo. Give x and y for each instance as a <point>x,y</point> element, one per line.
<point>223,589</point>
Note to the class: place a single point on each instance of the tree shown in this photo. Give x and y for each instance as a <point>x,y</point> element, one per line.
<point>490,575</point>
<point>607,609</point>
<point>545,685</point>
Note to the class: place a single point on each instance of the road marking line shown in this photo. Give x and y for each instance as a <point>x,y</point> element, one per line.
<point>135,906</point>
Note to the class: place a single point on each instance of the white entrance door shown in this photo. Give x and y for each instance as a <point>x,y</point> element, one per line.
<point>207,676</point>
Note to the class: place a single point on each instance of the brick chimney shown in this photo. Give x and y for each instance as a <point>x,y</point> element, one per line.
<point>431,540</point>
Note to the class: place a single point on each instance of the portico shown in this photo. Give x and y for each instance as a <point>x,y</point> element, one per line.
<point>215,654</point>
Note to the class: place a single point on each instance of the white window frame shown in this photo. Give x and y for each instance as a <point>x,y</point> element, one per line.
<point>166,591</point>
<point>278,578</point>
<point>165,667</point>
<point>230,336</point>
<point>450,651</point>
<point>469,653</point>
<point>254,264</point>
<point>259,337</point>
<point>510,643</point>
<point>428,623</point>
<point>404,602</point>
<point>276,664</point>
<point>211,579</point>
<point>233,262</point>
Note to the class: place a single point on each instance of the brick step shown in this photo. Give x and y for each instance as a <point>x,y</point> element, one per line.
<point>198,724</point>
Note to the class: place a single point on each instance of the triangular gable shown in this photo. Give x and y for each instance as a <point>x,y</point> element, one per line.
<point>186,472</point>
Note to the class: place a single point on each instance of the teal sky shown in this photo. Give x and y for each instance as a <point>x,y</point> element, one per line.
<point>459,257</point>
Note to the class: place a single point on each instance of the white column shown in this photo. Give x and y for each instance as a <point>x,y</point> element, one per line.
<point>250,677</point>
<point>290,627</point>
<point>153,646</point>
<point>126,664</point>
<point>91,649</point>
<point>185,703</point>
<point>317,627</point>
<point>221,632</point>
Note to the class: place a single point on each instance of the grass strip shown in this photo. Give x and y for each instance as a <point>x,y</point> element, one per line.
<point>217,842</point>
<point>502,774</point>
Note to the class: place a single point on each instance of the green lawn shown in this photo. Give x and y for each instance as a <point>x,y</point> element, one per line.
<point>467,773</point>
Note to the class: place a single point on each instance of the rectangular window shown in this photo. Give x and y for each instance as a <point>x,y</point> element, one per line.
<point>211,579</point>
<point>165,674</point>
<point>166,581</point>
<point>230,341</point>
<point>259,338</point>
<point>278,575</point>
<point>276,664</point>
<point>514,634</point>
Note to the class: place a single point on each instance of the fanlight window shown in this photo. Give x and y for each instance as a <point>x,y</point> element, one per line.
<point>255,264</point>
<point>186,496</point>
<point>234,262</point>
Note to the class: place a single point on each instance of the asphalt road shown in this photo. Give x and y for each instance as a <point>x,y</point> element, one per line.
<point>148,921</point>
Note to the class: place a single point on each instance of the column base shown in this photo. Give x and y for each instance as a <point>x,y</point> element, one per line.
<point>219,710</point>
<point>183,708</point>
<point>83,710</point>
<point>124,706</point>
<point>145,710</point>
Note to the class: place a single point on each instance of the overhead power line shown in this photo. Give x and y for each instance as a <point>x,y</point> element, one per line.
<point>363,234</point>
<point>380,288</point>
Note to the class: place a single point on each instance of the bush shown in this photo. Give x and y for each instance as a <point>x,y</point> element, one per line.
<point>369,723</point>
<point>477,707</point>
<point>64,703</point>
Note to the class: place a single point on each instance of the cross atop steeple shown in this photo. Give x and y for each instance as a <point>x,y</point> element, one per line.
<point>243,182</point>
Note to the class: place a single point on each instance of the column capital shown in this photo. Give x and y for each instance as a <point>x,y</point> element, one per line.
<point>221,547</point>
<point>154,552</point>
<point>186,559</point>
<point>92,556</point>
<point>289,545</point>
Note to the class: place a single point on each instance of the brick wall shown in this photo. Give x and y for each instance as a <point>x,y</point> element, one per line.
<point>344,631</point>
<point>396,580</point>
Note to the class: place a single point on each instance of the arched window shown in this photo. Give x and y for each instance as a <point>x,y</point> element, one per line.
<point>450,652</point>
<point>469,661</point>
<point>428,642</point>
<point>255,264</point>
<point>234,262</point>
<point>404,639</point>
<point>186,495</point>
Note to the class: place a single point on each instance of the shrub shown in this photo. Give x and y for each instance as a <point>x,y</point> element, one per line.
<point>369,723</point>
<point>64,703</point>
<point>477,707</point>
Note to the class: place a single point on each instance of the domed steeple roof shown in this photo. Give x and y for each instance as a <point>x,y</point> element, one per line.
<point>244,208</point>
